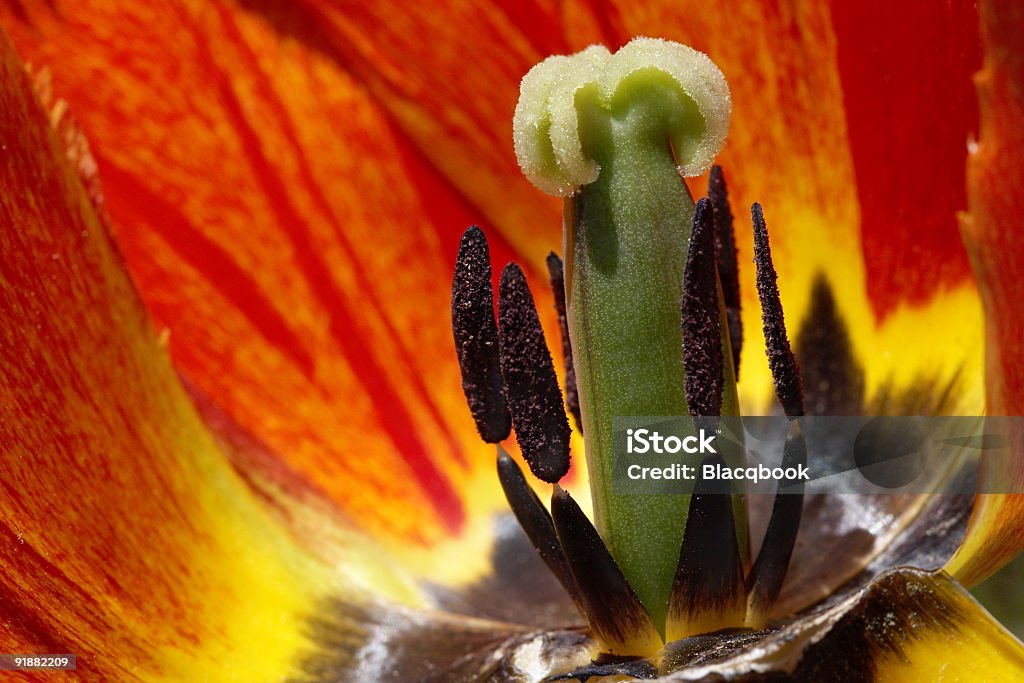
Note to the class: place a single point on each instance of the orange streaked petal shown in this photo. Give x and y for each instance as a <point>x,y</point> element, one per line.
<point>353,145</point>
<point>992,233</point>
<point>305,282</point>
<point>128,539</point>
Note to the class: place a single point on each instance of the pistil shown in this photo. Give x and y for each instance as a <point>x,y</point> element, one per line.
<point>611,134</point>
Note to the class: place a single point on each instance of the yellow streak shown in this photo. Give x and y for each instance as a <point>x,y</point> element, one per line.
<point>940,339</point>
<point>259,587</point>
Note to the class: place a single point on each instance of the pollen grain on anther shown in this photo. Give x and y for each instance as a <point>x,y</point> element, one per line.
<point>725,256</point>
<point>531,385</point>
<point>476,338</point>
<point>781,362</point>
<point>701,319</point>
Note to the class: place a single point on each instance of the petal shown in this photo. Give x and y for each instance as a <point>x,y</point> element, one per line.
<point>310,312</point>
<point>908,625</point>
<point>283,232</point>
<point>434,646</point>
<point>923,627</point>
<point>909,112</point>
<point>128,539</point>
<point>991,231</point>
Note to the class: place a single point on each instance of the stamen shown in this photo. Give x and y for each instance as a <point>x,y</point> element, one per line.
<point>531,387</point>
<point>534,519</point>
<point>572,398</point>
<point>725,255</point>
<point>476,337</point>
<point>785,373</point>
<point>708,592</point>
<point>769,570</point>
<point>702,331</point>
<point>833,381</point>
<point>613,610</point>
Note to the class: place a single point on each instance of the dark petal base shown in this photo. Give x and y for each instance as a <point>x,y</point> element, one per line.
<point>637,669</point>
<point>521,613</point>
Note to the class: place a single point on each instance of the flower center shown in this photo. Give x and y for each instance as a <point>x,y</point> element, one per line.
<point>648,305</point>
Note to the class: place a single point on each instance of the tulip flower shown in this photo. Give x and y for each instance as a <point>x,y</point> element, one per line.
<point>235,444</point>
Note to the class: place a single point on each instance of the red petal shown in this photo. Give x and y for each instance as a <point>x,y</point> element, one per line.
<point>905,71</point>
<point>992,232</point>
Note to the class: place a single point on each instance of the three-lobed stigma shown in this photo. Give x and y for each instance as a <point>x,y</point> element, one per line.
<point>692,108</point>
